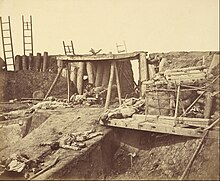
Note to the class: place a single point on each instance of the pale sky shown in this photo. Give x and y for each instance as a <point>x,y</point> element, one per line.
<point>149,25</point>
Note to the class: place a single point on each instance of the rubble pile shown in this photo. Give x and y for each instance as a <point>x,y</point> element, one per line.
<point>29,168</point>
<point>21,163</point>
<point>73,141</point>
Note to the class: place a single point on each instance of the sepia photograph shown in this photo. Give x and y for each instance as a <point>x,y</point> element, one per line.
<point>109,90</point>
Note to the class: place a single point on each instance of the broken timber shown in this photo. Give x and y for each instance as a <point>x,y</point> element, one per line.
<point>163,124</point>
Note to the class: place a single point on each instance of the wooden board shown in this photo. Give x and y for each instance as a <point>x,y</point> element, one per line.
<point>98,57</point>
<point>140,124</point>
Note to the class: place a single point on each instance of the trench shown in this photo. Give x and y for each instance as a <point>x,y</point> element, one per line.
<point>145,155</point>
<point>124,154</point>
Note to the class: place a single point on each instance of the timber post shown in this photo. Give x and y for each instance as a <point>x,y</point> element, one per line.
<point>80,74</point>
<point>108,97</point>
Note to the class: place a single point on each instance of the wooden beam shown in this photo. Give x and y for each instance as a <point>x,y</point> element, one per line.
<point>159,128</point>
<point>68,83</point>
<point>54,82</point>
<point>177,101</point>
<point>118,83</point>
<point>108,97</point>
<point>99,57</point>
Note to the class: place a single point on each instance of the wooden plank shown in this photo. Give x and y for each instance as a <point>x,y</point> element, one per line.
<point>118,83</point>
<point>99,57</point>
<point>54,82</point>
<point>108,97</point>
<point>143,71</point>
<point>68,83</point>
<point>198,122</point>
<point>159,128</point>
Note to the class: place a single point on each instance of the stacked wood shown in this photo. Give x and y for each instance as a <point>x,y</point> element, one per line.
<point>18,64</point>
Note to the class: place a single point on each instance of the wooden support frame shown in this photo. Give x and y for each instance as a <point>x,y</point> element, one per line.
<point>113,70</point>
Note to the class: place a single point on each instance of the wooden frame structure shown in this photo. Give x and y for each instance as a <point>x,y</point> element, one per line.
<point>113,58</point>
<point>176,123</point>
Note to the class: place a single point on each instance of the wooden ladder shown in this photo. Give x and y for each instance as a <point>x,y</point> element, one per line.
<point>7,44</point>
<point>68,49</point>
<point>121,48</point>
<point>27,36</point>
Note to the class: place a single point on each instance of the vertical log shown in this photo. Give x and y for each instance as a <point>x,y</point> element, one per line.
<point>68,82</point>
<point>117,83</point>
<point>73,74</point>
<point>59,65</point>
<point>143,72</point>
<point>105,78</point>
<point>38,62</point>
<point>89,69</point>
<point>208,105</point>
<point>18,63</point>
<point>30,61</point>
<point>99,73</point>
<point>94,68</point>
<point>80,74</point>
<point>45,61</point>
<point>24,62</point>
<point>177,102</point>
<point>108,97</point>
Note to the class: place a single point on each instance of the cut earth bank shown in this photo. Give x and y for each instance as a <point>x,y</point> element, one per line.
<point>116,154</point>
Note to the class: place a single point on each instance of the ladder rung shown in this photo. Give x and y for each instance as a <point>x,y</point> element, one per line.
<point>7,44</point>
<point>28,49</point>
<point>6,30</point>
<point>7,37</point>
<point>27,29</point>
<point>27,36</point>
<point>10,64</point>
<point>8,50</point>
<point>28,43</point>
<point>5,22</point>
<point>8,57</point>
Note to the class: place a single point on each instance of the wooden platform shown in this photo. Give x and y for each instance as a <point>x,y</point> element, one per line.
<point>100,57</point>
<point>137,122</point>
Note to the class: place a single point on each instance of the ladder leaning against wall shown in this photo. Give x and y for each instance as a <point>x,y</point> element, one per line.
<point>7,43</point>
<point>27,36</point>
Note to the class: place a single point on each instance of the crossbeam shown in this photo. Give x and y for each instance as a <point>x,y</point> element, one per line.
<point>100,57</point>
